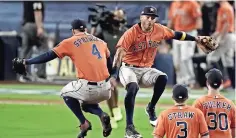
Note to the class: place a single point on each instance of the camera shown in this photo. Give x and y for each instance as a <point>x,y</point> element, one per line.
<point>107,20</point>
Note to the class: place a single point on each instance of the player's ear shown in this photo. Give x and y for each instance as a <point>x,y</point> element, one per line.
<point>155,20</point>
<point>72,31</point>
<point>173,98</point>
<point>141,17</point>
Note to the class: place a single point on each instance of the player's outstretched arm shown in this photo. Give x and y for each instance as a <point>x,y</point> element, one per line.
<point>184,36</point>
<point>43,58</point>
<point>206,43</point>
<point>19,64</point>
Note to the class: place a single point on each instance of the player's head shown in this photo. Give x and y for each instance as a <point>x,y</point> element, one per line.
<point>214,79</point>
<point>180,93</point>
<point>148,17</point>
<point>78,25</point>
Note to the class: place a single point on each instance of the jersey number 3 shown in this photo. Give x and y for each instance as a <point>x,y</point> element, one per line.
<point>95,52</point>
<point>183,130</point>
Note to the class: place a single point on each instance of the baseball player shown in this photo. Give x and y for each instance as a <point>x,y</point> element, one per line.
<point>219,111</point>
<point>91,58</point>
<point>184,16</point>
<point>226,36</point>
<point>134,57</point>
<point>181,120</point>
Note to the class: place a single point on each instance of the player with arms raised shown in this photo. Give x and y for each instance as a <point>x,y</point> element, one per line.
<point>134,57</point>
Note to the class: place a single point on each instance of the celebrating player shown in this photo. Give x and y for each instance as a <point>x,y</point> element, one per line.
<point>181,121</point>
<point>134,57</point>
<point>91,58</point>
<point>219,111</point>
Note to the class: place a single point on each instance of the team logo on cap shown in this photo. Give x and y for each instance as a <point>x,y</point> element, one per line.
<point>81,26</point>
<point>152,9</point>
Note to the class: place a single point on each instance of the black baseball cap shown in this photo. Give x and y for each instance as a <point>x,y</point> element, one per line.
<point>180,91</point>
<point>214,78</point>
<point>149,10</point>
<point>78,24</point>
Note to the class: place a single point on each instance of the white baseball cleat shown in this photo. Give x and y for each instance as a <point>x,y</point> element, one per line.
<point>117,114</point>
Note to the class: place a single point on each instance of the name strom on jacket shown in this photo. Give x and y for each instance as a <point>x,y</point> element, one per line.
<point>180,115</point>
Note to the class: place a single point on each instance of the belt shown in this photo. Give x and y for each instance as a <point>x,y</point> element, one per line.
<point>128,65</point>
<point>95,83</point>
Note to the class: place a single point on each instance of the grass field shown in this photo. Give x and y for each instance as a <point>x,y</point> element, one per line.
<point>56,120</point>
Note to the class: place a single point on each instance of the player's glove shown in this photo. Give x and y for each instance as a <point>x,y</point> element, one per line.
<point>18,66</point>
<point>207,43</point>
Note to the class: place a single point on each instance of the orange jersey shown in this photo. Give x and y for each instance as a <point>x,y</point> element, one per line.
<point>184,15</point>
<point>225,15</point>
<point>219,113</point>
<point>181,121</point>
<point>88,54</point>
<point>140,47</point>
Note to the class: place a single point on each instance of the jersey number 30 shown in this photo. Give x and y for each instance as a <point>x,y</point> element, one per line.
<point>184,129</point>
<point>218,120</point>
<point>95,51</point>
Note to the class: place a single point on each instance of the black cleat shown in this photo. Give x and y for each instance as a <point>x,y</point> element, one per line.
<point>84,128</point>
<point>152,115</point>
<point>105,119</point>
<point>130,132</point>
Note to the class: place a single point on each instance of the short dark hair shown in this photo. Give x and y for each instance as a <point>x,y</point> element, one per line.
<point>180,100</point>
<point>81,30</point>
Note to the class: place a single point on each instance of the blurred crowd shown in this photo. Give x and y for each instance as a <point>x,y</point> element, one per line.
<point>216,19</point>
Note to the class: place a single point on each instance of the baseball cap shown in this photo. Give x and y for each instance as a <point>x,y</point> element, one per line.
<point>78,24</point>
<point>214,78</point>
<point>180,92</point>
<point>149,10</point>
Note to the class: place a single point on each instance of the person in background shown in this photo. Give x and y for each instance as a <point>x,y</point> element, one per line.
<point>33,33</point>
<point>185,16</point>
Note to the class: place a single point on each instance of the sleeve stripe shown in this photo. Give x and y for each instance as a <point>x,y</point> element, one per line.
<point>183,36</point>
<point>56,53</point>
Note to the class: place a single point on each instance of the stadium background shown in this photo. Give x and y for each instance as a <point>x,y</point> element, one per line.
<point>34,109</point>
